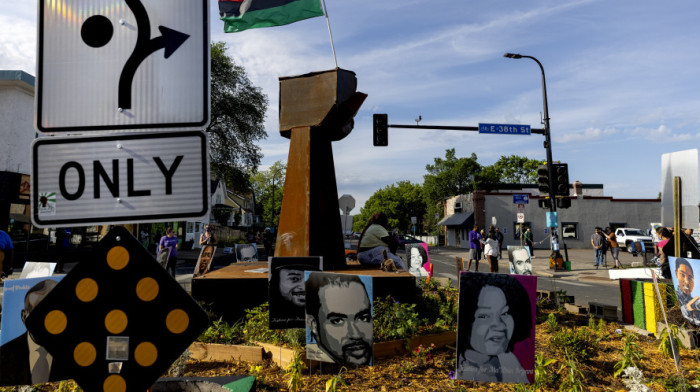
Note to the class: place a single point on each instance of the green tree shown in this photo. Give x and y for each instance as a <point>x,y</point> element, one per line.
<point>268,187</point>
<point>514,169</point>
<point>237,115</point>
<point>399,202</point>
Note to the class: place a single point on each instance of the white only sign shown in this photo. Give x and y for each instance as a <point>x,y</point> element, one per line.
<point>122,64</point>
<point>137,177</point>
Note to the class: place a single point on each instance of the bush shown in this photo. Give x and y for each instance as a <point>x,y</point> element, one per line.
<point>394,320</point>
<point>221,332</point>
<point>580,344</point>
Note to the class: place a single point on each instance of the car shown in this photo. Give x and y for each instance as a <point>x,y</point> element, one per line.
<point>404,239</point>
<point>627,236</point>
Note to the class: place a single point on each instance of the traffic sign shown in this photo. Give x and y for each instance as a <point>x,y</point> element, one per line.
<point>137,177</point>
<point>520,217</point>
<point>118,320</point>
<point>504,129</point>
<point>346,203</point>
<point>521,199</point>
<point>103,68</point>
<point>521,208</point>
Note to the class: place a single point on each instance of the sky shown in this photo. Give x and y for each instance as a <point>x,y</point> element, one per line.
<point>622,83</point>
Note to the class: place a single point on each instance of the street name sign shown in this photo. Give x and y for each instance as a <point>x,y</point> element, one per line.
<point>521,199</point>
<point>125,64</point>
<point>135,177</point>
<point>504,129</point>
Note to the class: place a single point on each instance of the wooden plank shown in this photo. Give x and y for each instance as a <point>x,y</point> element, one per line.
<point>213,352</point>
<point>394,348</point>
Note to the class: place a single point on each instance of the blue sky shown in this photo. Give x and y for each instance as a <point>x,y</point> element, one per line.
<point>622,81</point>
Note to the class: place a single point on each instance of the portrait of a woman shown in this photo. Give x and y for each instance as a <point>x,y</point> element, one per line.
<point>495,313</point>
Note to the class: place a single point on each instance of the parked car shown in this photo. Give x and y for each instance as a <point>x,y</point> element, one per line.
<point>407,239</point>
<point>626,236</point>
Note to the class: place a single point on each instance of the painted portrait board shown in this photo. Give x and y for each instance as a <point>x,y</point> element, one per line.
<point>496,327</point>
<point>19,353</point>
<point>339,318</point>
<point>683,272</point>
<point>247,252</point>
<point>163,256</point>
<point>418,259</point>
<point>206,256</point>
<point>520,261</point>
<point>287,291</point>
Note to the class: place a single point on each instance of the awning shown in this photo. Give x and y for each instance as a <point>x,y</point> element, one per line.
<point>460,219</point>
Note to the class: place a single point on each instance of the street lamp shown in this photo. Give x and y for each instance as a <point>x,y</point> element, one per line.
<point>548,148</point>
<point>547,140</point>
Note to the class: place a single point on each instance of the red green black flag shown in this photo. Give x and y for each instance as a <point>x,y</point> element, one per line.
<point>239,15</point>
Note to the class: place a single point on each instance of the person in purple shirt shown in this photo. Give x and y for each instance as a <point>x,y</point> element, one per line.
<point>169,240</point>
<point>474,248</point>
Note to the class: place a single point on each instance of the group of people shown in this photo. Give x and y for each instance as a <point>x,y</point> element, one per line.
<point>487,245</point>
<point>602,240</point>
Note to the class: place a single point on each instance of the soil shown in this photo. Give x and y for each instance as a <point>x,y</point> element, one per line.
<point>409,373</point>
<point>431,373</point>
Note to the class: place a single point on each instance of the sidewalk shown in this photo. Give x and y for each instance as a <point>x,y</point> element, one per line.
<point>582,261</point>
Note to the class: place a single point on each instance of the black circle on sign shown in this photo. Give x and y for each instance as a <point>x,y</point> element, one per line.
<point>97,31</point>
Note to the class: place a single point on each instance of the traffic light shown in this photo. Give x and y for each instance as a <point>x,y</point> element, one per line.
<point>544,203</point>
<point>563,203</point>
<point>543,179</point>
<point>381,130</point>
<point>561,179</point>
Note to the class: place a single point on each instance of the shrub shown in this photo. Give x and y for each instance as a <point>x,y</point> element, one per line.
<point>580,344</point>
<point>221,332</point>
<point>670,336</point>
<point>552,323</point>
<point>631,355</point>
<point>394,320</point>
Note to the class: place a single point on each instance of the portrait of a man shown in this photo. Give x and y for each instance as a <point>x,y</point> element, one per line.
<point>206,255</point>
<point>246,252</point>
<point>287,291</point>
<point>496,328</point>
<point>520,262</point>
<point>683,275</point>
<point>339,318</point>
<point>418,260</point>
<point>22,360</point>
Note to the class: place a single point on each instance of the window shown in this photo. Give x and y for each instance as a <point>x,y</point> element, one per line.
<point>569,230</point>
<point>516,229</point>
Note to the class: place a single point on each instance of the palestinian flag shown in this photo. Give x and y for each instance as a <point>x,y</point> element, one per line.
<point>239,15</point>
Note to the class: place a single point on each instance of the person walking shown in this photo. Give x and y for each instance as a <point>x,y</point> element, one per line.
<point>6,254</point>
<point>474,248</point>
<point>499,237</point>
<point>528,240</point>
<point>169,240</point>
<point>597,243</point>
<point>614,246</point>
<point>491,251</point>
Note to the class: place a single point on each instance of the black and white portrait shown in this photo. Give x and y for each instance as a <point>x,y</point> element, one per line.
<point>496,329</point>
<point>418,259</point>
<point>287,292</point>
<point>519,258</point>
<point>246,252</point>
<point>206,256</point>
<point>339,318</point>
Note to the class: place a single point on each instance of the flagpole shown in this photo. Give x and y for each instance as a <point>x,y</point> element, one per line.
<point>330,34</point>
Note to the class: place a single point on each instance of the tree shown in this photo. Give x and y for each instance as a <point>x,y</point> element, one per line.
<point>265,184</point>
<point>455,176</point>
<point>399,202</point>
<point>237,115</point>
<point>514,169</point>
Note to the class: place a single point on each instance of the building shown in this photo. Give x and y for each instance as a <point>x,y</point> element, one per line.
<point>589,209</point>
<point>17,130</point>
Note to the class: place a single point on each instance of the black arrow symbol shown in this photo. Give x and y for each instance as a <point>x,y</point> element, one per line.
<point>169,40</point>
